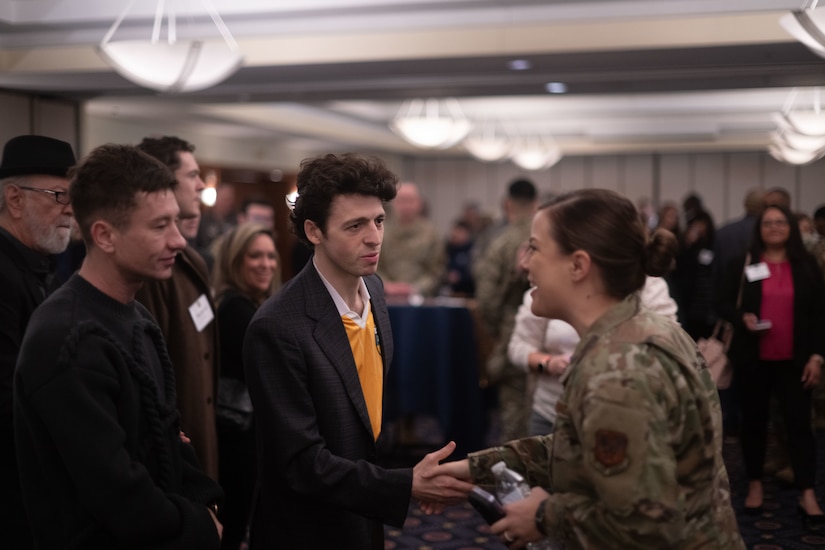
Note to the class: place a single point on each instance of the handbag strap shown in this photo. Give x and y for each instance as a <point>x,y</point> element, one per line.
<point>742,282</point>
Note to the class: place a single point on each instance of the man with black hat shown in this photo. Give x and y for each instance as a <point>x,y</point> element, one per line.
<point>35,223</point>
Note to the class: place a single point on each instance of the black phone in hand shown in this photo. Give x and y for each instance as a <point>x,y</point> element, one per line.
<point>486,504</point>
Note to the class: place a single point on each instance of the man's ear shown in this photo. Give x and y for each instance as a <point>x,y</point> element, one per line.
<point>580,265</point>
<point>313,232</point>
<point>14,201</point>
<point>104,236</point>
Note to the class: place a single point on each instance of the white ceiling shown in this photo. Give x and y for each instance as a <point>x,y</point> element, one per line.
<point>645,75</point>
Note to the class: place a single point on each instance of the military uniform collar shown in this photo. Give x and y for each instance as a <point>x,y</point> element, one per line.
<point>613,317</point>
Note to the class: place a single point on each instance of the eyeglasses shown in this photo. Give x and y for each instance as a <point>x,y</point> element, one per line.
<point>776,223</point>
<point>60,197</point>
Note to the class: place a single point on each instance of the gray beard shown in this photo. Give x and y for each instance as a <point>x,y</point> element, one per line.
<point>48,240</point>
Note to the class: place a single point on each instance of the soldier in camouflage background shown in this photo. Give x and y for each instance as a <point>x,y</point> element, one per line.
<point>500,286</point>
<point>636,459</point>
<point>412,256</point>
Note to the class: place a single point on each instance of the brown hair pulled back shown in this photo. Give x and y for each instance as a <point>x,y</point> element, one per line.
<point>606,225</point>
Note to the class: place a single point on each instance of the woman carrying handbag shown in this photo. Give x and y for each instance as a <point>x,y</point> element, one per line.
<point>777,348</point>
<point>246,273</point>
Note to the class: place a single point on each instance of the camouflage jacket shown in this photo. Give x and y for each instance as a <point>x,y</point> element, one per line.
<point>414,255</point>
<point>500,283</point>
<point>636,458</point>
<point>500,288</point>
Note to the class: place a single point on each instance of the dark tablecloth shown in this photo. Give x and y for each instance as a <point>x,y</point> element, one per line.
<point>435,370</point>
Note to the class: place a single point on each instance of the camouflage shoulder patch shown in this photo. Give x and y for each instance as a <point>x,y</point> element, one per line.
<point>611,448</point>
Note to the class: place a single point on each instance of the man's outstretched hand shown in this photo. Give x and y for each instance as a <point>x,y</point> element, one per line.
<point>433,487</point>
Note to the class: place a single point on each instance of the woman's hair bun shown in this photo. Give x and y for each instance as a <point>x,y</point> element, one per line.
<point>660,253</point>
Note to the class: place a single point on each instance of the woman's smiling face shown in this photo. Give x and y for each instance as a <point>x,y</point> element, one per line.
<point>547,268</point>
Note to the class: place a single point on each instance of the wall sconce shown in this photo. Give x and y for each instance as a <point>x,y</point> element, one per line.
<point>172,66</point>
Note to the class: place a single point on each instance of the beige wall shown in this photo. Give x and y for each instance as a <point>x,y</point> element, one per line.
<point>721,179</point>
<point>29,114</point>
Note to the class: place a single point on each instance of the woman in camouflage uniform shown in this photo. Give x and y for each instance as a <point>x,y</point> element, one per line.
<point>636,460</point>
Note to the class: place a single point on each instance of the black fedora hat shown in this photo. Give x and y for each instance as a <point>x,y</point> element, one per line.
<point>29,155</point>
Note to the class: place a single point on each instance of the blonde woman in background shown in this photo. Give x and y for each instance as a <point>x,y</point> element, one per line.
<point>246,273</point>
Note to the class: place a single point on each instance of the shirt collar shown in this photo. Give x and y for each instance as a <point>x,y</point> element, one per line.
<point>340,304</point>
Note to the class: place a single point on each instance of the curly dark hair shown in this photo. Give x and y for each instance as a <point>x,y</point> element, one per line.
<point>323,178</point>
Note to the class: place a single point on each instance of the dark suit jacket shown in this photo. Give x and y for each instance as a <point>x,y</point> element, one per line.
<point>318,484</point>
<point>808,311</point>
<point>730,243</point>
<point>194,354</point>
<point>20,294</point>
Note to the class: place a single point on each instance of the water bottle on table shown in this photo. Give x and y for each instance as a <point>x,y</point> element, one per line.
<point>510,487</point>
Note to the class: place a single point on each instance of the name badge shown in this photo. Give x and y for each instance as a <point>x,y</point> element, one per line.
<point>201,312</point>
<point>705,256</point>
<point>757,272</point>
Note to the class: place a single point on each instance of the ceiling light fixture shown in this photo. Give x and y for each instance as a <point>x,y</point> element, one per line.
<point>488,143</point>
<point>785,154</point>
<point>800,135</point>
<point>807,122</point>
<point>535,152</point>
<point>519,65</point>
<point>431,123</point>
<point>807,26</point>
<point>556,87</point>
<point>172,65</point>
<point>800,142</point>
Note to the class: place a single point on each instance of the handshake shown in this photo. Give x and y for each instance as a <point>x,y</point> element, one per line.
<point>437,485</point>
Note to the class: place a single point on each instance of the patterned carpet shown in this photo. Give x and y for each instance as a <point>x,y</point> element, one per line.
<point>461,528</point>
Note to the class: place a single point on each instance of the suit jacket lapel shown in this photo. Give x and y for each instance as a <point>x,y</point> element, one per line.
<point>331,338</point>
<point>378,305</point>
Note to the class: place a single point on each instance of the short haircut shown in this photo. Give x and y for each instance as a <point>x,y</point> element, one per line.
<point>607,226</point>
<point>781,192</point>
<point>256,199</point>
<point>166,149</point>
<point>754,201</point>
<point>106,183</point>
<point>321,179</point>
<point>522,190</point>
<point>819,213</point>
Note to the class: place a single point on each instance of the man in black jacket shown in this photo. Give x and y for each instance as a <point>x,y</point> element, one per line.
<point>102,461</point>
<point>316,357</point>
<point>35,222</point>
